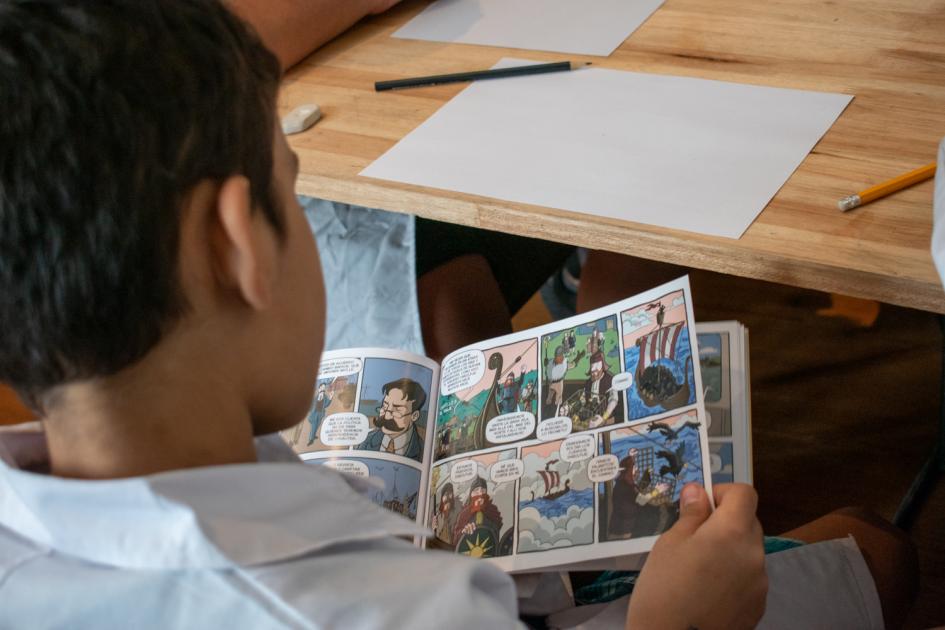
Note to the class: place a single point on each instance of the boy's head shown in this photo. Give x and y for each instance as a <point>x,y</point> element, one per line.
<point>147,199</point>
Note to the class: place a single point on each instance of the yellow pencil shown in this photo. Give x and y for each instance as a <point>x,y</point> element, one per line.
<point>886,188</point>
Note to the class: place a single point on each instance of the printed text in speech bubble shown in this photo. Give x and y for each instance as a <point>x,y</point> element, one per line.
<point>339,367</point>
<point>509,427</point>
<point>578,447</point>
<point>462,371</point>
<point>464,471</point>
<point>349,467</point>
<point>344,429</point>
<point>603,468</point>
<point>622,381</point>
<point>554,428</point>
<point>507,470</point>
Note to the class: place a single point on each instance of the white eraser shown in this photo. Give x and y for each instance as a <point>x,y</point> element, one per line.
<point>301,118</point>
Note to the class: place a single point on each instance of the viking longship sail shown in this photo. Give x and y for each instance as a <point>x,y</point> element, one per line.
<point>659,344</point>
<point>552,479</point>
<point>655,383</point>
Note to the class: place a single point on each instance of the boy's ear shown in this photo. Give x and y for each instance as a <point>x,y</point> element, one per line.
<point>245,246</point>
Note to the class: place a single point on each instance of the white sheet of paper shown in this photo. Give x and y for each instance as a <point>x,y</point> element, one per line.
<point>688,154</point>
<point>586,27</point>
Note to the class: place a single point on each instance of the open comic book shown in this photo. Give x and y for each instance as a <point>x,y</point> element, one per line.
<point>557,446</point>
<point>723,359</point>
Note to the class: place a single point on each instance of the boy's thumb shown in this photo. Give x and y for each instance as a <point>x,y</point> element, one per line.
<point>694,509</point>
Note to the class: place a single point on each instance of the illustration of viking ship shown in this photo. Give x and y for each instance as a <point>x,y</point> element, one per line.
<point>552,480</point>
<point>490,408</point>
<point>655,381</point>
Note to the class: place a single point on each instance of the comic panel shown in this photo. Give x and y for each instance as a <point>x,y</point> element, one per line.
<point>488,398</point>
<point>714,365</point>
<point>395,396</point>
<point>401,487</point>
<point>556,497</point>
<point>723,465</point>
<point>473,504</point>
<point>642,470</point>
<point>658,353</point>
<point>336,391</point>
<point>578,381</point>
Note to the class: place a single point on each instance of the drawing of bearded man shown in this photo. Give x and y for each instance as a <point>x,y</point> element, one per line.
<point>480,517</point>
<point>447,513</point>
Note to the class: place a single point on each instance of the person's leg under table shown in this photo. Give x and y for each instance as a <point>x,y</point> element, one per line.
<point>608,277</point>
<point>889,553</point>
<point>470,281</point>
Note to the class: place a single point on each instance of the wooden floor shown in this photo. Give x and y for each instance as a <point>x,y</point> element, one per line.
<point>842,414</point>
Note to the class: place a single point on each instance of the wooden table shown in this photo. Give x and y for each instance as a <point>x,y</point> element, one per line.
<point>891,55</point>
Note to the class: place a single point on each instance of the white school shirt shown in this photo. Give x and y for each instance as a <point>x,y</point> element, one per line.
<point>262,545</point>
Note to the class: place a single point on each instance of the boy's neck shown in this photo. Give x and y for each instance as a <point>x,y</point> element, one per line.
<point>155,416</point>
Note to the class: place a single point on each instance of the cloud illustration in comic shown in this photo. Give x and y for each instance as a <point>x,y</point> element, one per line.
<point>580,364</point>
<point>654,461</point>
<point>473,504</point>
<point>658,353</point>
<point>556,497</point>
<point>487,398</point>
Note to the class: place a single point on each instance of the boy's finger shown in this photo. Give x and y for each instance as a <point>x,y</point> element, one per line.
<point>694,509</point>
<point>736,502</point>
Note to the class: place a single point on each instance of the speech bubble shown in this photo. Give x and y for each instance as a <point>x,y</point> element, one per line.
<point>554,428</point>
<point>509,427</point>
<point>464,471</point>
<point>349,467</point>
<point>339,367</point>
<point>462,371</point>
<point>603,468</point>
<point>716,461</point>
<point>578,447</point>
<point>622,381</point>
<point>344,429</point>
<point>507,470</point>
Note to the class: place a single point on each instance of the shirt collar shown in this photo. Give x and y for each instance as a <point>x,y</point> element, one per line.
<point>211,517</point>
<point>400,441</point>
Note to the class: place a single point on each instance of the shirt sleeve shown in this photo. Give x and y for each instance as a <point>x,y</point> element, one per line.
<point>390,583</point>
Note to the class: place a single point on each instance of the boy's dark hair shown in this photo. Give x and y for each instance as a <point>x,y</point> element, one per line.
<point>110,113</point>
<point>412,390</point>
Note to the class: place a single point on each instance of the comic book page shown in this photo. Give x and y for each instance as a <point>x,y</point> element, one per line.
<point>723,360</point>
<point>570,442</point>
<point>370,416</point>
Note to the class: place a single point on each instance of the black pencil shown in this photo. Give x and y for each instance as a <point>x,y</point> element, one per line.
<point>459,77</point>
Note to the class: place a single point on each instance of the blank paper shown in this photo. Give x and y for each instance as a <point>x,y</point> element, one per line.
<point>688,154</point>
<point>586,27</point>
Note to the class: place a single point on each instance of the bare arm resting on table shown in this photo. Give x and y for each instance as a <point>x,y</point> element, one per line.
<point>294,28</point>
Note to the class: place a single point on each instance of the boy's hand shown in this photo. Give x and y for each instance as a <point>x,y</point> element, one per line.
<point>708,570</point>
